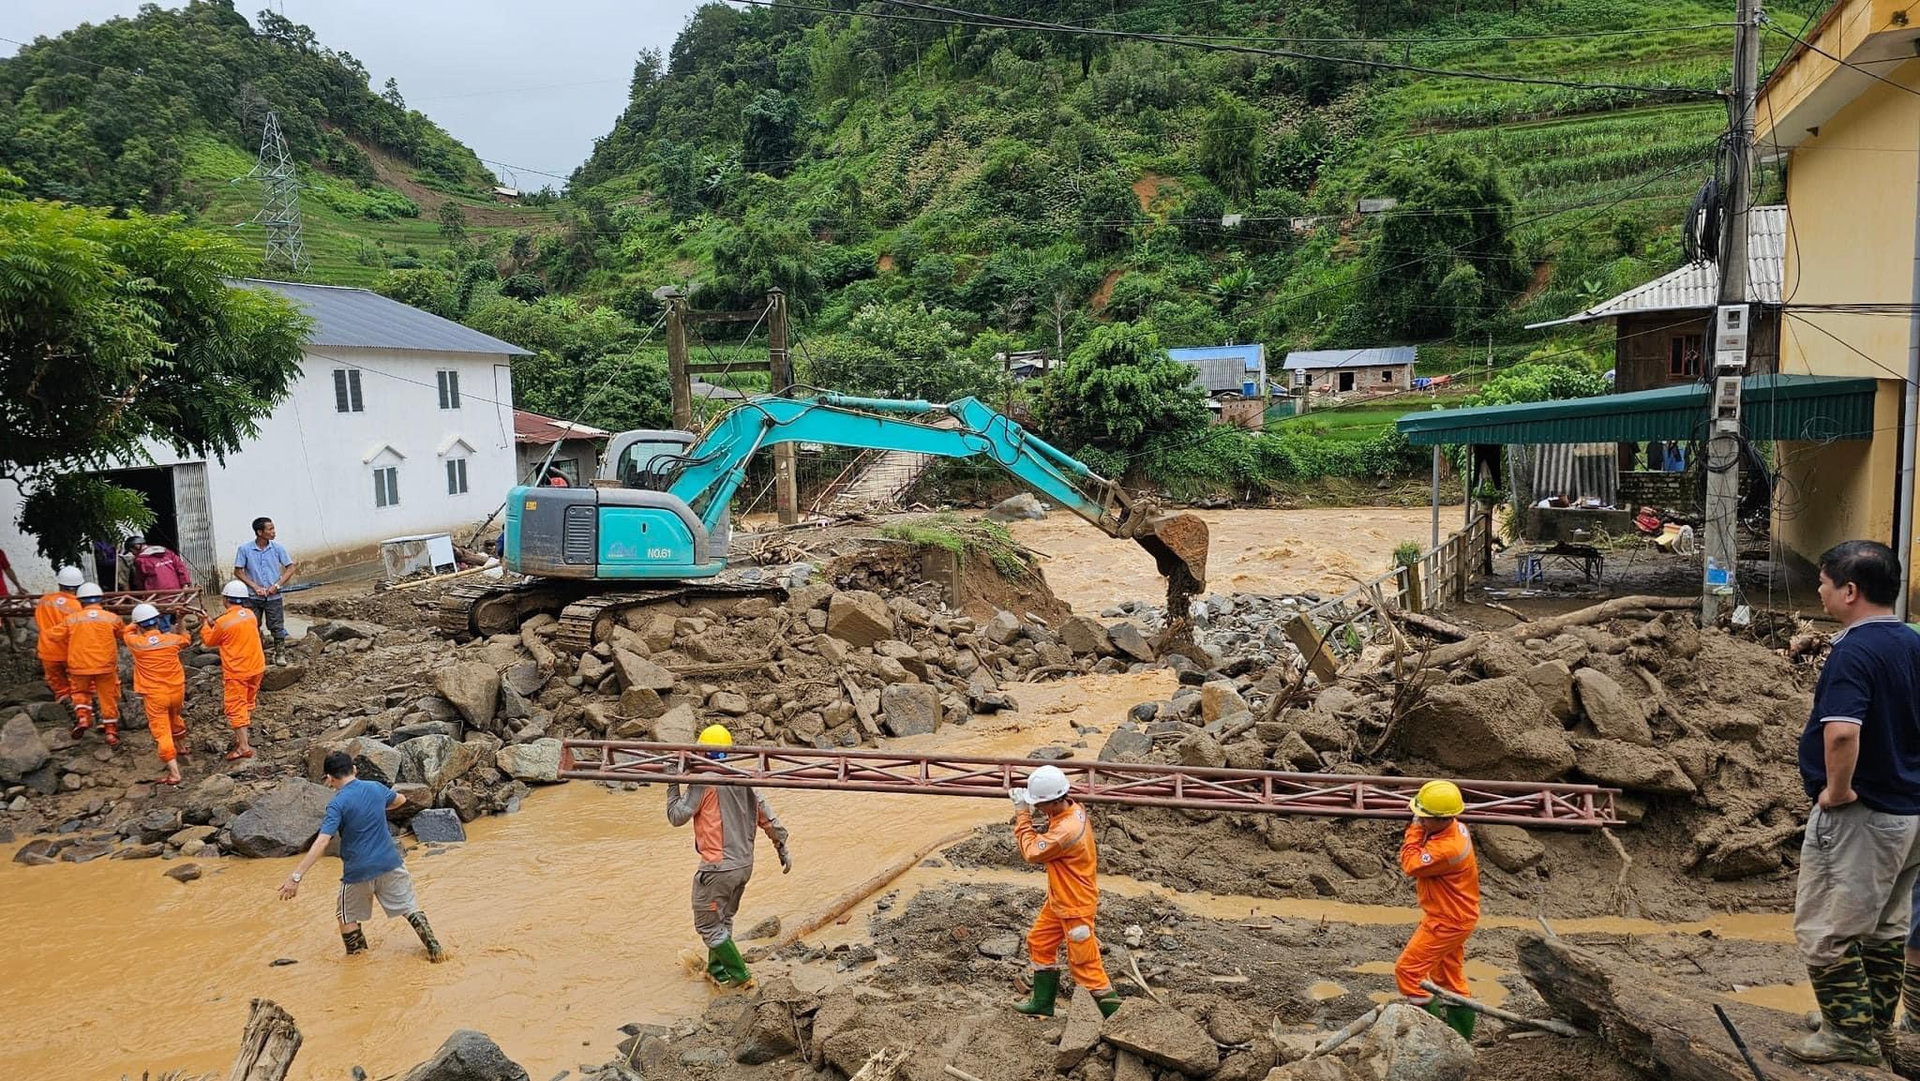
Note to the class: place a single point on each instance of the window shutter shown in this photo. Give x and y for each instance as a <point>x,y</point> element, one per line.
<point>462,463</point>
<point>379,488</point>
<point>441,379</point>
<point>353,389</point>
<point>339,390</point>
<point>451,489</point>
<point>453,390</point>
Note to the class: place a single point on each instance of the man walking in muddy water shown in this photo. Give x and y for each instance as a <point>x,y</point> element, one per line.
<point>1067,851</point>
<point>724,818</point>
<point>371,865</point>
<point>1860,760</point>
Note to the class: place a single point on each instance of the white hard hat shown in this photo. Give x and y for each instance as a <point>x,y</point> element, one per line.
<point>1046,784</point>
<point>88,589</point>
<point>144,612</point>
<point>234,590</point>
<point>70,576</point>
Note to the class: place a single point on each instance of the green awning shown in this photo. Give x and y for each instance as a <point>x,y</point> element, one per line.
<point>1795,407</point>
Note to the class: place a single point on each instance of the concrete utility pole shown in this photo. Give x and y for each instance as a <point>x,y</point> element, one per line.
<point>1722,459</point>
<point>786,493</point>
<point>677,378</point>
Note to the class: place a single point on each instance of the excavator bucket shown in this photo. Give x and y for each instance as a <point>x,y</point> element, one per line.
<point>1178,544</point>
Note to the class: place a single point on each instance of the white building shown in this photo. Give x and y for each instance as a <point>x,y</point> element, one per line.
<point>401,422</point>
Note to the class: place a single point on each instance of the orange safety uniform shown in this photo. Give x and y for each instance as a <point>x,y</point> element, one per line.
<point>54,609</point>
<point>1073,895</point>
<point>160,680</point>
<point>236,634</point>
<point>92,641</point>
<point>1446,876</point>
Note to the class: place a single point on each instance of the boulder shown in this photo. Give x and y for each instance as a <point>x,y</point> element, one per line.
<point>1200,749</point>
<point>859,617</point>
<point>591,670</point>
<point>1162,1035</point>
<point>157,825</point>
<point>372,759</point>
<point>405,732</point>
<point>1631,766</point>
<point>1082,1032</point>
<point>1511,848</point>
<point>677,725</point>
<point>1613,713</point>
<point>1003,628</point>
<point>473,687</point>
<point>525,678</point>
<point>1294,753</point>
<point>435,761</point>
<point>909,709</point>
<point>535,763</point>
<point>765,1032</point>
<point>730,703</point>
<point>1219,698</point>
<point>636,671</point>
<point>468,1056</point>
<point>1085,636</point>
<point>1499,656</point>
<point>513,705</point>
<point>1025,507</point>
<point>1494,728</point>
<point>1126,745</point>
<point>414,799</point>
<point>346,630</point>
<point>1552,683</point>
<point>279,677</point>
<point>1128,640</point>
<point>641,702</point>
<point>21,749</point>
<point>183,873</point>
<point>1409,1044</point>
<point>283,822</point>
<point>438,825</point>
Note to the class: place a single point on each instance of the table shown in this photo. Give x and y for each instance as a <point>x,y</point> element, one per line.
<point>1584,558</point>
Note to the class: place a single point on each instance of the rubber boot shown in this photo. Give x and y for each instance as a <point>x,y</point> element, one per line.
<point>1885,961</point>
<point>1108,1001</point>
<point>733,968</point>
<point>1460,1019</point>
<point>1846,1016</point>
<point>113,733</point>
<point>1910,1000</point>
<point>356,941</point>
<point>420,927</point>
<point>1046,986</point>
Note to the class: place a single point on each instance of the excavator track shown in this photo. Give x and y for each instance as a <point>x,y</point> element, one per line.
<point>472,608</point>
<point>591,619</point>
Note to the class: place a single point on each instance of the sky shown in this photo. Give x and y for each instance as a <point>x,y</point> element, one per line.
<point>528,85</point>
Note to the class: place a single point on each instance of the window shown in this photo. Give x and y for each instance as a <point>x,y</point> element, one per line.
<point>1386,375</point>
<point>386,486</point>
<point>456,476</point>
<point>449,389</point>
<point>1683,354</point>
<point>346,391</point>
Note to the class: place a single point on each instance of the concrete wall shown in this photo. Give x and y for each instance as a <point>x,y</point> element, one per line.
<point>1851,197</point>
<point>311,467</point>
<point>1327,380</point>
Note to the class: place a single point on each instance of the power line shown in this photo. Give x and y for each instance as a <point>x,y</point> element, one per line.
<point>1805,44</point>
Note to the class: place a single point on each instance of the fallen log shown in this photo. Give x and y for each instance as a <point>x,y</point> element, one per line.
<point>1455,652</point>
<point>1664,1028</point>
<point>1437,628</point>
<point>267,1046</point>
<point>1558,1028</point>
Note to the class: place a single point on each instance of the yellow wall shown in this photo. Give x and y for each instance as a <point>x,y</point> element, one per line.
<point>1851,202</point>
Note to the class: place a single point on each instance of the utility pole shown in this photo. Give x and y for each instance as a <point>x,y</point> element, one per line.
<point>1722,459</point>
<point>786,493</point>
<point>280,207</point>
<point>677,378</point>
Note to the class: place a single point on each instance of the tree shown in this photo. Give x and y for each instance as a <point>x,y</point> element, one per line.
<point>453,223</point>
<point>901,351</point>
<point>1120,395</point>
<point>1230,146</point>
<point>769,139</point>
<point>1108,211</point>
<point>764,251</point>
<point>1445,257</point>
<point>115,331</point>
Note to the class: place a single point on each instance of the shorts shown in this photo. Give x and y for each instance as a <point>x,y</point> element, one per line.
<point>394,889</point>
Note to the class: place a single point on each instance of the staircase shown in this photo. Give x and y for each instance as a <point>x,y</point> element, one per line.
<point>877,480</point>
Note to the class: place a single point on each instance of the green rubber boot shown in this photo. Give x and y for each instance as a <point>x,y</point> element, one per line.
<point>1460,1019</point>
<point>1108,1001</point>
<point>1046,985</point>
<point>726,966</point>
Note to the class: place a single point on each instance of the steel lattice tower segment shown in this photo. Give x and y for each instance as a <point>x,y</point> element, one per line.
<point>280,211</point>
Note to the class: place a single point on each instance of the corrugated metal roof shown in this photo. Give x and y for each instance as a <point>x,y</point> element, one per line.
<point>1578,471</point>
<point>1697,285</point>
<point>1799,407</point>
<point>531,427</point>
<point>1380,357</point>
<point>346,318</point>
<point>1223,367</point>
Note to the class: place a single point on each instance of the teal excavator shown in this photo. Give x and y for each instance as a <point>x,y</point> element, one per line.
<point>656,523</point>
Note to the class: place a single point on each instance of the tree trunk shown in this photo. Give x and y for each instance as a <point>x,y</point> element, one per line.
<point>268,1045</point>
<point>1668,1030</point>
<point>1547,628</point>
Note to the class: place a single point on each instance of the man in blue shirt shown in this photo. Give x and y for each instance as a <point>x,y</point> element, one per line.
<point>1860,860</point>
<point>265,567</point>
<point>370,862</point>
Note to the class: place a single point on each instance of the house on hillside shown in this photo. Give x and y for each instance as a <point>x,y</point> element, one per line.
<point>1234,378</point>
<point>1851,139</point>
<point>576,457</point>
<point>1351,371</point>
<point>1663,329</point>
<point>400,422</point>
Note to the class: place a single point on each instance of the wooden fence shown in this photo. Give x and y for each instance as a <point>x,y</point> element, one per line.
<point>1440,576</point>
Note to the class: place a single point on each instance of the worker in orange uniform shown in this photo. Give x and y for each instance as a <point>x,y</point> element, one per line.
<point>1437,853</point>
<point>1066,850</point>
<point>725,818</point>
<point>236,634</point>
<point>52,610</point>
<point>91,638</point>
<point>161,682</point>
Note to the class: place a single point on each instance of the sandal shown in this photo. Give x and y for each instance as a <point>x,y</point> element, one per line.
<point>235,756</point>
<point>164,779</point>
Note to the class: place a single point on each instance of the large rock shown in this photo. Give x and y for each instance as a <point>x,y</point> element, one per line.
<point>677,725</point>
<point>468,1056</point>
<point>473,687</point>
<point>525,678</point>
<point>281,676</point>
<point>1018,508</point>
<point>1552,683</point>
<point>1162,1035</point>
<point>283,822</point>
<point>535,763</point>
<point>1083,635</point>
<point>1128,640</point>
<point>638,672</point>
<point>21,749</point>
<point>766,1032</point>
<point>1126,745</point>
<point>346,630</point>
<point>435,761</point>
<point>1082,1032</point>
<point>1409,1044</point>
<point>438,825</point>
<point>909,709</point>
<point>1003,628</point>
<point>1511,848</point>
<point>1631,766</point>
<point>1494,728</point>
<point>859,617</point>
<point>1200,749</point>
<point>1219,698</point>
<point>373,760</point>
<point>1613,713</point>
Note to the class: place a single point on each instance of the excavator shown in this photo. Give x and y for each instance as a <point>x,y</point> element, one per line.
<point>655,525</point>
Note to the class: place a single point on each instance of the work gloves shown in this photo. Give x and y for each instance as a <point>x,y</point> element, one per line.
<point>786,859</point>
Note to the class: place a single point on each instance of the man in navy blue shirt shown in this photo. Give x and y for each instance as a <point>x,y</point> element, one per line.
<point>1860,860</point>
<point>370,862</point>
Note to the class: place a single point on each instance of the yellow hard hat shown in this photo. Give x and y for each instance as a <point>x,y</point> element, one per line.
<point>716,735</point>
<point>1438,799</point>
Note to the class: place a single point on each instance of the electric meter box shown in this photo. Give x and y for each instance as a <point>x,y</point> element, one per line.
<point>1730,336</point>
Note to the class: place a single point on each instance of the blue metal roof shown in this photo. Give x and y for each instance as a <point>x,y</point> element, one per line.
<point>346,318</point>
<point>1380,357</point>
<point>1224,367</point>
